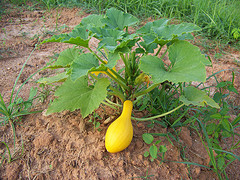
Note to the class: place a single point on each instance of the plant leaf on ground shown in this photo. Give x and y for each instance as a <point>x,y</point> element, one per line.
<point>77,95</point>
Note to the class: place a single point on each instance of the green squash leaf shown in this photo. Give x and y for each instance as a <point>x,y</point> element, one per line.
<point>82,65</point>
<point>114,46</point>
<point>93,20</point>
<point>171,31</point>
<point>127,43</point>
<point>197,97</point>
<point>118,19</point>
<point>78,95</point>
<point>187,64</point>
<point>109,43</point>
<point>101,33</point>
<point>147,28</point>
<point>149,48</point>
<point>112,59</point>
<point>61,77</point>
<point>66,57</point>
<point>79,36</point>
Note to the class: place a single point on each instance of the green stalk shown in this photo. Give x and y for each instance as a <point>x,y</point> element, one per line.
<point>164,53</point>
<point>125,63</point>
<point>120,82</point>
<point>94,76</point>
<point>117,93</point>
<point>9,152</point>
<point>160,48</point>
<point>117,75</point>
<point>110,102</point>
<point>145,91</point>
<point>107,104</point>
<point>158,116</point>
<point>96,56</point>
<point>14,86</point>
<point>208,147</point>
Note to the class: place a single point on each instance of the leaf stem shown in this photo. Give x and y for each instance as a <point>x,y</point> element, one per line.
<point>117,75</point>
<point>96,56</point>
<point>158,116</point>
<point>120,82</point>
<point>116,93</point>
<point>110,102</point>
<point>160,48</point>
<point>126,64</point>
<point>145,91</point>
<point>165,52</point>
<point>111,106</point>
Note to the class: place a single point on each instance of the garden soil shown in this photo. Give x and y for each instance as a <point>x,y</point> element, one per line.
<point>66,146</point>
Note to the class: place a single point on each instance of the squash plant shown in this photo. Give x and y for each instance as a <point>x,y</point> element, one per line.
<point>90,76</point>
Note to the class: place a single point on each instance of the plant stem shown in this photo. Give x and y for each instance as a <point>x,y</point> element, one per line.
<point>126,64</point>
<point>110,102</point>
<point>120,82</point>
<point>158,51</point>
<point>117,75</point>
<point>96,56</point>
<point>116,93</point>
<point>158,116</point>
<point>145,91</point>
<point>111,106</point>
<point>164,53</point>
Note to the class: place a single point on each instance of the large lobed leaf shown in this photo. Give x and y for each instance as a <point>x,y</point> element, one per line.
<point>187,64</point>
<point>147,28</point>
<point>118,19</point>
<point>78,95</point>
<point>102,33</point>
<point>82,65</point>
<point>197,97</point>
<point>66,57</point>
<point>93,20</point>
<point>61,77</point>
<point>170,31</point>
<point>161,33</point>
<point>79,36</point>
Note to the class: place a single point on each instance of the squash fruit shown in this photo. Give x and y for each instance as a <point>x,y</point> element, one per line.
<point>120,133</point>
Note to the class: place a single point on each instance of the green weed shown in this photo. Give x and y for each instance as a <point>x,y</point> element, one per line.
<point>13,110</point>
<point>155,150</point>
<point>213,126</point>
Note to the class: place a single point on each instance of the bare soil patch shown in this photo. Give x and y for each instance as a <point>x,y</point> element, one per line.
<point>65,146</point>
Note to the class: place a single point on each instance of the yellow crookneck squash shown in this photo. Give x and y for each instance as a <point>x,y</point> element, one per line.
<point>120,133</point>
